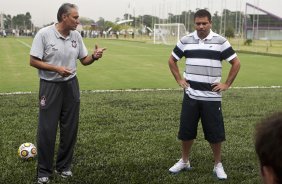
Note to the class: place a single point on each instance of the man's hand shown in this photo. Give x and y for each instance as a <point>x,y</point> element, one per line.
<point>98,52</point>
<point>219,87</point>
<point>63,71</point>
<point>182,83</point>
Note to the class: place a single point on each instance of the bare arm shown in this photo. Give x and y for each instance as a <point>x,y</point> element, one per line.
<point>231,76</point>
<point>39,64</point>
<point>97,54</point>
<point>172,62</point>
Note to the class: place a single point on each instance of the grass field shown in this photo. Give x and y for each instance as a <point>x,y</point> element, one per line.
<point>130,137</point>
<point>258,46</point>
<point>125,65</point>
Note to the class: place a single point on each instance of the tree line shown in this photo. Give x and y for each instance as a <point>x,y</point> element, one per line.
<point>228,23</point>
<point>20,21</point>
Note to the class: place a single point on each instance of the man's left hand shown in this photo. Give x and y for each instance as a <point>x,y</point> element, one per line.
<point>98,52</point>
<point>219,87</point>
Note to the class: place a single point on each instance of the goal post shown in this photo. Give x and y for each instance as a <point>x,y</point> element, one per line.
<point>168,34</point>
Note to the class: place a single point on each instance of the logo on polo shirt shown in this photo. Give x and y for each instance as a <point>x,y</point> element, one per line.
<point>73,44</point>
<point>53,47</point>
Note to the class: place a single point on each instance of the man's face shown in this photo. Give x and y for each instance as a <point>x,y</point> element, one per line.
<point>71,19</point>
<point>202,26</point>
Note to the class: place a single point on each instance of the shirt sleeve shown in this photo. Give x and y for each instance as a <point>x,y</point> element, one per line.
<point>83,52</point>
<point>177,52</point>
<point>37,47</point>
<point>227,52</point>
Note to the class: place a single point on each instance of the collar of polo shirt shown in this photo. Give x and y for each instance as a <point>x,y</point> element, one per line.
<point>58,34</point>
<point>209,37</point>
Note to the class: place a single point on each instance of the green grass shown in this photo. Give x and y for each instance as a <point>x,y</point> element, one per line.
<point>125,65</point>
<point>130,137</point>
<point>258,46</point>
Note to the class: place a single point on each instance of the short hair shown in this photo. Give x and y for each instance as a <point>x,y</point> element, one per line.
<point>268,141</point>
<point>203,13</point>
<point>64,9</point>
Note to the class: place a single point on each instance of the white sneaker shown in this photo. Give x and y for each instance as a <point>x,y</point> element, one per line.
<point>219,172</point>
<point>179,166</point>
<point>43,180</point>
<point>64,174</point>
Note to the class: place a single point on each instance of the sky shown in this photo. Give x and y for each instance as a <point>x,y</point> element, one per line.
<point>44,11</point>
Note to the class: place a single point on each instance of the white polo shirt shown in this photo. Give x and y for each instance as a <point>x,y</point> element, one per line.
<point>51,47</point>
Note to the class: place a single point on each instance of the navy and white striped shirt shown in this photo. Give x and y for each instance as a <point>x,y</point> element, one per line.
<point>203,63</point>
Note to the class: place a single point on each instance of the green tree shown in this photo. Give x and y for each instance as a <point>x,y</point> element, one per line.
<point>86,21</point>
<point>216,22</point>
<point>108,25</point>
<point>147,20</point>
<point>22,21</point>
<point>229,33</point>
<point>8,22</point>
<point>101,23</point>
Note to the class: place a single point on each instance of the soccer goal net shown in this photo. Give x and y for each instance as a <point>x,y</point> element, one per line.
<point>168,34</point>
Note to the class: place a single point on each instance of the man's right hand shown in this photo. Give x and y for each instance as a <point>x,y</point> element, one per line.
<point>63,71</point>
<point>183,83</point>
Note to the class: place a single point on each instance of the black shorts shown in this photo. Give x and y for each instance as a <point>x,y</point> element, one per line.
<point>211,117</point>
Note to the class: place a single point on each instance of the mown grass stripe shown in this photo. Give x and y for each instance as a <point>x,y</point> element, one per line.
<point>22,42</point>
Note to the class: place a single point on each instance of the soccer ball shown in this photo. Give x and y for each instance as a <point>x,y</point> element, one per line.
<point>27,151</point>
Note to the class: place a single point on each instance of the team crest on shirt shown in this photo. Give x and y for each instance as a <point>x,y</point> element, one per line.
<point>43,101</point>
<point>73,44</point>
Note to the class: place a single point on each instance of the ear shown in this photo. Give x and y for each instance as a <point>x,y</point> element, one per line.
<point>268,174</point>
<point>64,16</point>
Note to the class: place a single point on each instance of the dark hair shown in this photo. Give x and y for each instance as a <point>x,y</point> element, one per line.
<point>203,13</point>
<point>268,143</point>
<point>64,9</point>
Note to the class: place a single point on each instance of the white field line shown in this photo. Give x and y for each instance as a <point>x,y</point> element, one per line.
<point>140,90</point>
<point>25,44</point>
<point>17,93</point>
<point>257,87</point>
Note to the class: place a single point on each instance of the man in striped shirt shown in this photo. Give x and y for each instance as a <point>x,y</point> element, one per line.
<point>204,52</point>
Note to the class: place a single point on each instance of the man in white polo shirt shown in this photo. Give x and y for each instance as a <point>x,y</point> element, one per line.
<point>204,51</point>
<point>54,52</point>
